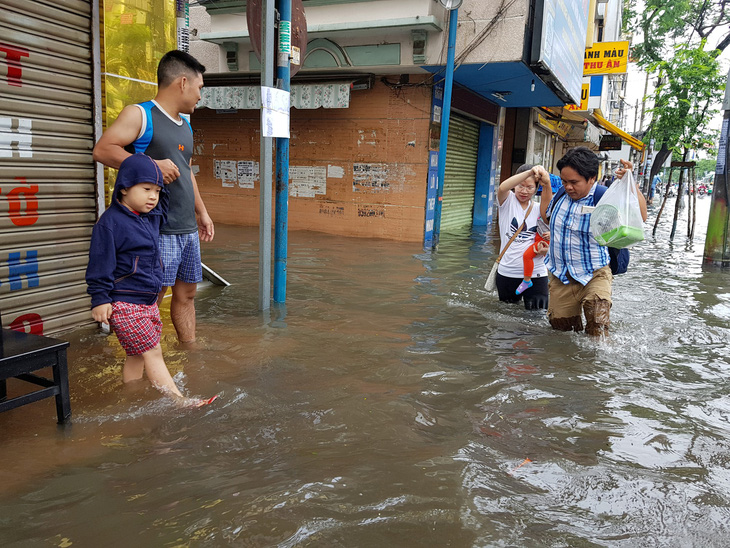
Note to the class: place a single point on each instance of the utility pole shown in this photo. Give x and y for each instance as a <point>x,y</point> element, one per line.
<point>445,117</point>
<point>182,21</point>
<point>717,248</point>
<point>282,157</point>
<point>267,155</point>
<point>643,102</point>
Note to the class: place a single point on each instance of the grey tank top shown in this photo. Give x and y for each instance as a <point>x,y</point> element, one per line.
<point>162,138</point>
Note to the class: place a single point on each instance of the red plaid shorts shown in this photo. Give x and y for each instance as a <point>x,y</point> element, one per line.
<point>138,326</point>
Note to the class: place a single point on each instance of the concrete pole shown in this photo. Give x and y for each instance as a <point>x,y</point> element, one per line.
<point>717,247</point>
<point>282,158</point>
<point>445,116</point>
<point>266,159</point>
<point>643,102</point>
<point>182,20</point>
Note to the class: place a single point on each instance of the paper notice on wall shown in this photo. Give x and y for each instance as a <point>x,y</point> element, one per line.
<point>335,172</point>
<point>307,181</point>
<point>225,170</point>
<point>370,177</point>
<point>248,173</point>
<point>275,105</point>
<point>724,136</point>
<point>300,190</point>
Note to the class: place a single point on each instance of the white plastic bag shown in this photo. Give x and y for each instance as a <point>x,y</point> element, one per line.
<point>616,221</point>
<point>491,283</point>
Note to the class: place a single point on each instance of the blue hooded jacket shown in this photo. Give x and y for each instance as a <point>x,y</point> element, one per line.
<point>124,257</point>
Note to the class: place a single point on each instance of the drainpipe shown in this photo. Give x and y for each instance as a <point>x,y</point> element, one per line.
<point>445,116</point>
<point>282,158</point>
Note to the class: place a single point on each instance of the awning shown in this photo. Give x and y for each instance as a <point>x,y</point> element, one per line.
<point>564,115</point>
<point>303,96</point>
<point>581,129</point>
<point>608,126</point>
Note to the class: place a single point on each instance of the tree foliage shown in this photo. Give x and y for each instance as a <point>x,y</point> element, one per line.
<point>705,167</point>
<point>661,24</point>
<point>679,41</point>
<point>685,100</point>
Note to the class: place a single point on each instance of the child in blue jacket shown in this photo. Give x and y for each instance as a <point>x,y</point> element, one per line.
<point>124,275</point>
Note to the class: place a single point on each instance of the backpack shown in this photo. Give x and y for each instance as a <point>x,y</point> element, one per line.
<point>618,258</point>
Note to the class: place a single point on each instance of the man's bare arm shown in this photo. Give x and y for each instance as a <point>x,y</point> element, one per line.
<point>125,129</point>
<point>109,150</point>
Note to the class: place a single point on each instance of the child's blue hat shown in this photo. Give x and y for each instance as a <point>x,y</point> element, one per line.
<point>138,168</point>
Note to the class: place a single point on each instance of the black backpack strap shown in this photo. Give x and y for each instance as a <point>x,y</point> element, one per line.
<point>598,193</point>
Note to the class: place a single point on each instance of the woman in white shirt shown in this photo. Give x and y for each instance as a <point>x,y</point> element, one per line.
<point>514,197</point>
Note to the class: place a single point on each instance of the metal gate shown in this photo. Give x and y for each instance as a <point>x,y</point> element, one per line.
<point>47,175</point>
<point>460,175</point>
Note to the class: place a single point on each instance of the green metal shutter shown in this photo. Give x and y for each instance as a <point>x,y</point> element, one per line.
<point>47,176</point>
<point>461,170</point>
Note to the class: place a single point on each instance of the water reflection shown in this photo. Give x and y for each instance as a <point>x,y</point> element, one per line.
<point>393,402</point>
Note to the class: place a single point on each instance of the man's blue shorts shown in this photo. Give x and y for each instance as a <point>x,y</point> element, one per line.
<point>181,258</point>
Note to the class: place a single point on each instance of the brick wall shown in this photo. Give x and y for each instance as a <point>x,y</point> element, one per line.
<point>360,171</point>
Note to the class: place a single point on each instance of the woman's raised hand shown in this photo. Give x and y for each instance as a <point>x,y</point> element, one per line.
<point>625,166</point>
<point>541,175</point>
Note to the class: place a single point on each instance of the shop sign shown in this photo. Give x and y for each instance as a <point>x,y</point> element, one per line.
<point>610,142</point>
<point>585,88</point>
<point>559,128</point>
<point>606,58</point>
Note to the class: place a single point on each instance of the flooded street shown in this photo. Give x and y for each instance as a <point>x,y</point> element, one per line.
<point>392,402</point>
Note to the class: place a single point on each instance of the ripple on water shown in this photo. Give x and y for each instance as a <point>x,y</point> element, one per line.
<point>393,402</point>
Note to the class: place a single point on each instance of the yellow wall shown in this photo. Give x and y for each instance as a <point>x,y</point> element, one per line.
<point>135,36</point>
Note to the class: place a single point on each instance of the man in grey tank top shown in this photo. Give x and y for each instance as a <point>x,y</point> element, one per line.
<point>159,129</point>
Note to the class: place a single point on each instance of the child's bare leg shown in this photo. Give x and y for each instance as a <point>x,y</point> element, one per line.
<point>158,374</point>
<point>527,264</point>
<point>133,369</point>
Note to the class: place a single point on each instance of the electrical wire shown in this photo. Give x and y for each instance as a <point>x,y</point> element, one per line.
<point>502,10</point>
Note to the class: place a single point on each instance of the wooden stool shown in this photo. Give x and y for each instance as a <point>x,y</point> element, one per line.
<point>20,355</point>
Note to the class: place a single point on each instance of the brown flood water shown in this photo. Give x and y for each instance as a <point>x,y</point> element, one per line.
<point>392,402</point>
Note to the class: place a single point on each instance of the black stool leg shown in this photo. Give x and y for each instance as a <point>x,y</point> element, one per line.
<point>3,390</point>
<point>60,379</point>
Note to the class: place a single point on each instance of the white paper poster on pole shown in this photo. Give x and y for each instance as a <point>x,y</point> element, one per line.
<point>275,104</point>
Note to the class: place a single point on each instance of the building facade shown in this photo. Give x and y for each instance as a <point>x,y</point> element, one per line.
<point>368,106</point>
<point>364,160</point>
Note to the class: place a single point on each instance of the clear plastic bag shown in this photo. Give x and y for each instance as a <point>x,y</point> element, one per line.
<point>616,221</point>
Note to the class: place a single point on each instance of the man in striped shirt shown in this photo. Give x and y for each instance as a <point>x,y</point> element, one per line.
<point>579,275</point>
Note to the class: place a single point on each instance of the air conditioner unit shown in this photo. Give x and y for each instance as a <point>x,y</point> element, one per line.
<point>231,55</point>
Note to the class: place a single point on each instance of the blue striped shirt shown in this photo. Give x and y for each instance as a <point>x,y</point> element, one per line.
<point>573,249</point>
